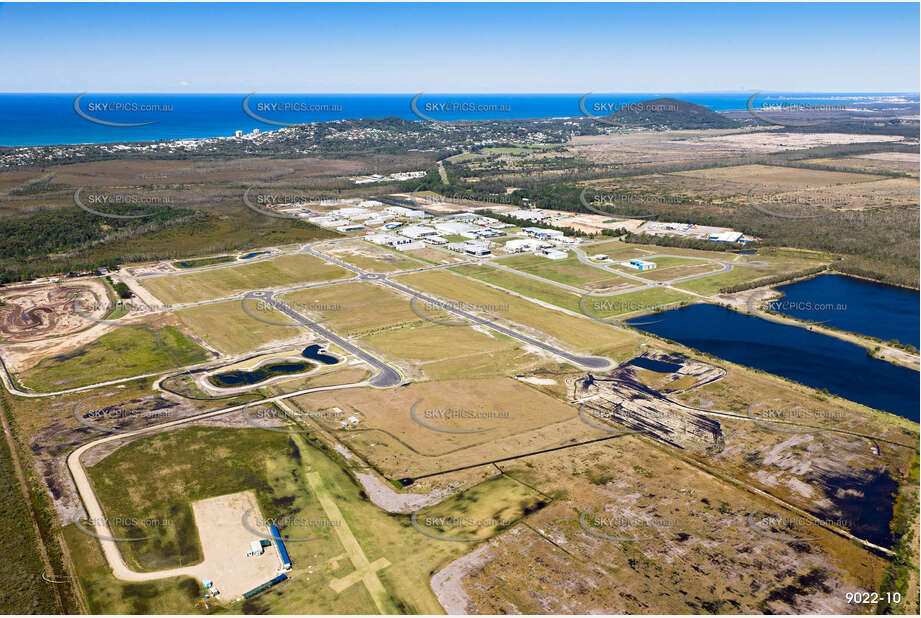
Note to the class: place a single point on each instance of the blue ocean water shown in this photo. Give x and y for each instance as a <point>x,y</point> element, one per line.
<point>45,119</point>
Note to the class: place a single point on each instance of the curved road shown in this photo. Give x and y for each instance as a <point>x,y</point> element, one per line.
<point>387,375</point>
<point>96,514</point>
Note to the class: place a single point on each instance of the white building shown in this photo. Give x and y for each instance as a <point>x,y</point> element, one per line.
<point>350,212</point>
<point>400,211</point>
<point>458,229</point>
<point>418,231</point>
<point>726,237</point>
<point>554,254</point>
<point>519,245</point>
<point>370,204</point>
<point>528,215</point>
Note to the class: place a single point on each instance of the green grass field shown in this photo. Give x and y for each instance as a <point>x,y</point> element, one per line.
<point>222,282</point>
<point>745,273</point>
<point>569,271</point>
<point>482,511</point>
<point>639,302</point>
<point>522,285</point>
<point>125,352</point>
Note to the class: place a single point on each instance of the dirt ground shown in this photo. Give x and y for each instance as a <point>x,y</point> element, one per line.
<point>225,541</point>
<point>28,313</point>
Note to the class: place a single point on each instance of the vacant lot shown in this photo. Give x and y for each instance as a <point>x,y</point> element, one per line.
<point>229,329</point>
<point>441,352</point>
<point>122,353</point>
<point>572,332</point>
<point>450,416</point>
<point>747,272</point>
<point>778,178</point>
<point>230,280</point>
<point>618,251</point>
<point>569,271</point>
<point>370,257</point>
<point>689,517</point>
<point>641,301</point>
<point>355,308</point>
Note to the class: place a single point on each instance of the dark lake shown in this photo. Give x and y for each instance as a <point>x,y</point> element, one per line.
<point>654,365</point>
<point>854,305</point>
<point>240,377</point>
<point>315,352</point>
<point>792,352</point>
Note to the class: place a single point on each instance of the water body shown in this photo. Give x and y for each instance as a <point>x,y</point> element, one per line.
<point>792,352</point>
<point>240,377</point>
<point>253,254</point>
<point>42,119</point>
<point>854,305</point>
<point>654,365</point>
<point>315,352</point>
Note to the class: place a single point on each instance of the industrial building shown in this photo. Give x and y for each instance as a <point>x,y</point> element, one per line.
<point>542,233</point>
<point>280,546</point>
<point>639,264</point>
<point>554,254</point>
<point>471,247</point>
<point>418,231</point>
<point>528,215</point>
<point>519,245</point>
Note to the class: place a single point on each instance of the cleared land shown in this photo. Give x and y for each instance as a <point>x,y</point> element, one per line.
<point>569,271</point>
<point>779,178</point>
<point>229,329</point>
<point>227,281</point>
<point>457,422</point>
<point>370,257</point>
<point>770,267</point>
<point>573,332</point>
<point>641,301</point>
<point>628,489</point>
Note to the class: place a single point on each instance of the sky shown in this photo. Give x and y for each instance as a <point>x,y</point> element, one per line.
<point>510,48</point>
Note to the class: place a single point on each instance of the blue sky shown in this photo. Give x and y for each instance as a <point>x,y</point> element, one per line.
<point>459,47</point>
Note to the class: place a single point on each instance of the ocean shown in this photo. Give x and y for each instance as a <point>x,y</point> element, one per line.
<point>47,119</point>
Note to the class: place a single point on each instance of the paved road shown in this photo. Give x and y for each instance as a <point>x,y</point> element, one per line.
<point>387,375</point>
<point>592,362</point>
